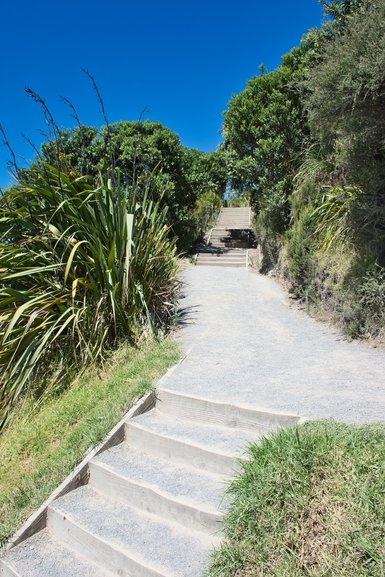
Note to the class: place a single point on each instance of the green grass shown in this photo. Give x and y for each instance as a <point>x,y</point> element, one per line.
<point>310,503</point>
<point>39,448</point>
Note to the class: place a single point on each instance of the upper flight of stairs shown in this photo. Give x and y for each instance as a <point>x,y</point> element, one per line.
<point>229,240</point>
<point>153,504</point>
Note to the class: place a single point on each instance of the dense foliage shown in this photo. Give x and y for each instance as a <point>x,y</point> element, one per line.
<point>306,140</point>
<point>179,175</point>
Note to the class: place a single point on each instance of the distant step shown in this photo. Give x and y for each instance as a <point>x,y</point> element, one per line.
<point>236,258</point>
<point>225,264</point>
<point>240,216</point>
<point>229,240</point>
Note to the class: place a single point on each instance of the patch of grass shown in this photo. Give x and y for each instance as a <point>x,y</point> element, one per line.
<point>310,503</point>
<point>38,449</point>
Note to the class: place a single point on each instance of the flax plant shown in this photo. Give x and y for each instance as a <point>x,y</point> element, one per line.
<point>82,266</point>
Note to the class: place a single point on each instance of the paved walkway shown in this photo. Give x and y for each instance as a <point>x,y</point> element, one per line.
<point>246,345</point>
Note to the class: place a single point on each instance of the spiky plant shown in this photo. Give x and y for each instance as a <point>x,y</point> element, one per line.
<point>82,266</point>
<point>333,217</point>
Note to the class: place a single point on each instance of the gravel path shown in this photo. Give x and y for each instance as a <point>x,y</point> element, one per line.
<point>246,345</point>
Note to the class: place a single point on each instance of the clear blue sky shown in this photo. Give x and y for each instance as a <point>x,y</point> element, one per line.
<point>181,59</point>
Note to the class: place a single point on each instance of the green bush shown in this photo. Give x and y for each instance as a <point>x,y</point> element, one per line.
<point>207,208</point>
<point>300,250</point>
<point>367,311</point>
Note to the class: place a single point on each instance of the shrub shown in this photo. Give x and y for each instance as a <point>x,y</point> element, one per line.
<point>82,266</point>
<point>300,249</point>
<point>207,209</point>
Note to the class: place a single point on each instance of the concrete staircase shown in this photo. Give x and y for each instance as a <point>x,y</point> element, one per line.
<point>228,241</point>
<point>153,504</point>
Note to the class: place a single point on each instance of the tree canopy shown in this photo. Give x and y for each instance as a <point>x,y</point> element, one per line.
<point>144,153</point>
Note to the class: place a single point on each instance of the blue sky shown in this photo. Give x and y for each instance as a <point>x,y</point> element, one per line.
<point>181,59</point>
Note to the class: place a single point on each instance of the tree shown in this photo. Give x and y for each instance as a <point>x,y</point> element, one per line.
<point>206,171</point>
<point>264,132</point>
<point>138,151</point>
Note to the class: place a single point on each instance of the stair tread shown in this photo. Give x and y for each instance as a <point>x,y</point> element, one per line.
<point>143,537</point>
<point>43,556</point>
<point>215,438</point>
<point>221,256</point>
<point>193,486</point>
<point>222,264</point>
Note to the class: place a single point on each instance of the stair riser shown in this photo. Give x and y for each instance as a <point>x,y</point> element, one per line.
<point>209,260</point>
<point>213,256</point>
<point>223,257</point>
<point>219,260</point>
<point>114,561</point>
<point>227,238</point>
<point>180,452</point>
<point>232,252</point>
<point>225,233</point>
<point>222,414</point>
<point>241,263</point>
<point>229,243</point>
<point>152,501</point>
<point>221,264</point>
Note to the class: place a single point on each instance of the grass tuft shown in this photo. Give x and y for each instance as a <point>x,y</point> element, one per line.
<point>40,447</point>
<point>310,503</point>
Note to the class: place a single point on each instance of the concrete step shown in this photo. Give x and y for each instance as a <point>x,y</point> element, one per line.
<point>232,253</point>
<point>211,448</point>
<point>226,238</point>
<point>234,213</point>
<point>224,264</point>
<point>230,245</point>
<point>230,219</point>
<point>221,252</point>
<point>228,229</point>
<point>228,242</point>
<point>238,234</point>
<point>222,258</point>
<point>43,556</point>
<point>188,496</point>
<point>221,264</point>
<point>187,406</point>
<point>221,261</point>
<point>124,541</point>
